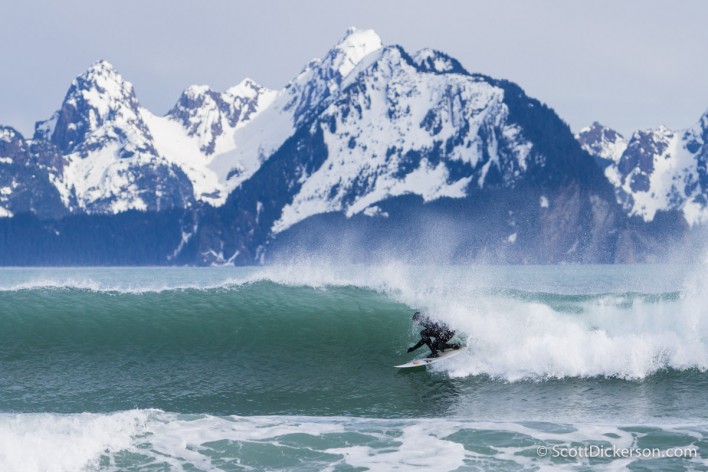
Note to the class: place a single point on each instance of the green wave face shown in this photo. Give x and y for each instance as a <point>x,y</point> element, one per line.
<point>259,347</point>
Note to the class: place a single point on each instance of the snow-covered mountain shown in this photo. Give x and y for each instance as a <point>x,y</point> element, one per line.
<point>370,143</point>
<point>110,160</point>
<point>391,126</point>
<point>656,170</point>
<point>399,129</point>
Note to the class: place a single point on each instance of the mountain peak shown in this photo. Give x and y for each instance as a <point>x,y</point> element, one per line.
<point>601,141</point>
<point>597,127</point>
<point>196,90</point>
<point>103,77</point>
<point>102,65</point>
<point>352,48</point>
<point>209,116</point>
<point>430,60</point>
<point>367,39</point>
<point>98,102</point>
<point>355,37</point>
<point>247,88</point>
<point>321,78</point>
<point>9,134</point>
<point>110,160</point>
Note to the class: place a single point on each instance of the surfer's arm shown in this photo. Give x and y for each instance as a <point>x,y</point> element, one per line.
<point>416,346</point>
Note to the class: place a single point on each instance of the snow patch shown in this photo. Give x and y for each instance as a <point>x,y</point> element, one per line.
<point>374,211</point>
<point>356,45</point>
<point>172,141</point>
<point>102,177</point>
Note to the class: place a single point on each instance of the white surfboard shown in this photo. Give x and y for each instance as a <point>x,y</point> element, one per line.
<point>430,360</point>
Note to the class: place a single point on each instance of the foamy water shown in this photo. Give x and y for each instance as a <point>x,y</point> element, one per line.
<point>156,439</point>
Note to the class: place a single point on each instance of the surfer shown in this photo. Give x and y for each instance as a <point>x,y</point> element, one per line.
<point>432,329</point>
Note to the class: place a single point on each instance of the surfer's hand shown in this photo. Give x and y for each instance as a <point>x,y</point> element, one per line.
<point>411,349</point>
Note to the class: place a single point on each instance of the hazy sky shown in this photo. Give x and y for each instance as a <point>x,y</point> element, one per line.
<point>626,63</point>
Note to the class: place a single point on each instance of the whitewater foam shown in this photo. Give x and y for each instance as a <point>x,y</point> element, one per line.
<point>56,443</point>
<point>152,438</point>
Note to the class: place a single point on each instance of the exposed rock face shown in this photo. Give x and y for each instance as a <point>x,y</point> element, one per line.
<point>28,171</point>
<point>658,170</point>
<point>602,142</point>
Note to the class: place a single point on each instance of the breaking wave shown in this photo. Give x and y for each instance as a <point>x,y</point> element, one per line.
<point>517,323</point>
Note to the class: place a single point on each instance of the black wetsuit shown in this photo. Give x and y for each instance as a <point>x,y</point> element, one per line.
<point>439,331</point>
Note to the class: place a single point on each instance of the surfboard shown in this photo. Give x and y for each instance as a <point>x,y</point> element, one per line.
<point>430,360</point>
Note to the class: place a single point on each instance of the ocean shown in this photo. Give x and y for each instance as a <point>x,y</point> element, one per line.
<point>575,367</point>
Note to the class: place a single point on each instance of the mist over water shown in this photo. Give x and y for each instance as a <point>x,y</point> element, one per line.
<point>296,362</point>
